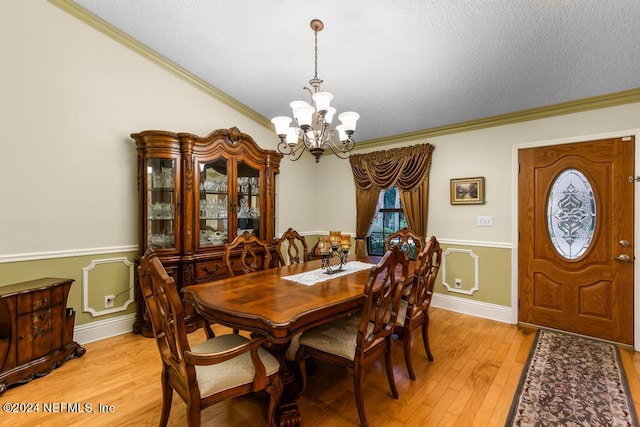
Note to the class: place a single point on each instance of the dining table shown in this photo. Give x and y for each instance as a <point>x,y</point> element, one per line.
<point>280,303</point>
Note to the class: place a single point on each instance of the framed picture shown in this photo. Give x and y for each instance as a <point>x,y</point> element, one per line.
<point>467,191</point>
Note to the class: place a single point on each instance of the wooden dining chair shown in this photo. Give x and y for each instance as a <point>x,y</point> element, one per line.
<point>414,307</point>
<point>359,340</point>
<point>254,253</point>
<point>296,248</point>
<point>220,368</point>
<point>409,242</point>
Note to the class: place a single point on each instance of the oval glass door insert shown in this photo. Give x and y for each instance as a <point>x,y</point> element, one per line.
<point>571,214</point>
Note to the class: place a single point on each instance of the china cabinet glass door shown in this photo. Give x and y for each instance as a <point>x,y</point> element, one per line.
<point>248,205</point>
<point>161,203</point>
<point>214,203</point>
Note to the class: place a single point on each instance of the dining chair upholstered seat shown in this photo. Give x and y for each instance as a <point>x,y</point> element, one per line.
<point>409,242</point>
<point>360,340</point>
<point>234,372</point>
<point>414,306</point>
<point>338,337</point>
<point>291,248</point>
<point>219,368</point>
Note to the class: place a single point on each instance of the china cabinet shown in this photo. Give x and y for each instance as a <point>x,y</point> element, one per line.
<point>36,330</point>
<point>195,195</point>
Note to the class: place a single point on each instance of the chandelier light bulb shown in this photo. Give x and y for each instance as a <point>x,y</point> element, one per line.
<point>281,124</point>
<point>342,133</point>
<point>348,119</point>
<point>303,113</point>
<point>322,100</point>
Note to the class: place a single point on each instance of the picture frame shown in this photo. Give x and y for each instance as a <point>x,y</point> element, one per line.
<point>467,191</point>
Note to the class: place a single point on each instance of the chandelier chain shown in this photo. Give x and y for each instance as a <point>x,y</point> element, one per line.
<point>315,32</point>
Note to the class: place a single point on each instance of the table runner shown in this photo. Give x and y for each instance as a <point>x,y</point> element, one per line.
<point>312,277</point>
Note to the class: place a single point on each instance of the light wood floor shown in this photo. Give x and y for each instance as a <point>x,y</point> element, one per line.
<point>471,382</point>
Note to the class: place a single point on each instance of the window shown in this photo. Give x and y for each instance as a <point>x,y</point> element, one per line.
<point>571,214</point>
<point>388,219</point>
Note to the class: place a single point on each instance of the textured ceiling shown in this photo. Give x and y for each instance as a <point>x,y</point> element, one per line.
<point>405,66</point>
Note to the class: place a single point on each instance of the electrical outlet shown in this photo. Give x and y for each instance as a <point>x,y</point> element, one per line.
<point>484,221</point>
<point>109,301</point>
<point>458,283</point>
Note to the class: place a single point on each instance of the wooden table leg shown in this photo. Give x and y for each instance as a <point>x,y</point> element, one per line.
<point>288,414</point>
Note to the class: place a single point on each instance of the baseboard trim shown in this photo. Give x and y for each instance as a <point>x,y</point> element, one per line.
<point>499,313</point>
<point>96,331</point>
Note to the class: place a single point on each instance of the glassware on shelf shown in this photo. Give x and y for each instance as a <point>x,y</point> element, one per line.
<point>216,184</point>
<point>156,179</point>
<point>167,177</point>
<point>213,208</point>
<point>162,240</point>
<point>161,210</point>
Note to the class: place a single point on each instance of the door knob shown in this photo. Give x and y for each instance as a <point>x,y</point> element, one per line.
<point>624,243</point>
<point>622,257</point>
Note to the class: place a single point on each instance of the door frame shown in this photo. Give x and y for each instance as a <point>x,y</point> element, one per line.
<point>636,219</point>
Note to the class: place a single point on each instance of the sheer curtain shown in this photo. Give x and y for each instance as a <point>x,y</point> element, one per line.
<point>408,169</point>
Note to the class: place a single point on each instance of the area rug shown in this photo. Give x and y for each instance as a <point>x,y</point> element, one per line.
<point>572,381</point>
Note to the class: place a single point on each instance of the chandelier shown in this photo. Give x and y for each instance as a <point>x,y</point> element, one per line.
<point>312,123</point>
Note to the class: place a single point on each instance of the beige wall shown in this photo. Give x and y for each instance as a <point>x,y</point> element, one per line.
<point>72,96</point>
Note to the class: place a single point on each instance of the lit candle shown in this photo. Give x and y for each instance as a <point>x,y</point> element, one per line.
<point>345,241</point>
<point>334,238</point>
<point>324,245</point>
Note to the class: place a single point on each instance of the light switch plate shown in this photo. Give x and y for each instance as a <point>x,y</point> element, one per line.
<point>484,221</point>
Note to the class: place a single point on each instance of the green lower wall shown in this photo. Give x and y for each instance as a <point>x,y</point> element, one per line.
<point>107,275</point>
<point>493,278</point>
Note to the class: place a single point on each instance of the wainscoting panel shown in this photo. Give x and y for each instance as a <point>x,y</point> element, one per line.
<point>115,280</point>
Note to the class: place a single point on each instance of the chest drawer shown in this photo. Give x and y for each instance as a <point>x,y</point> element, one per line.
<point>210,270</point>
<point>34,301</point>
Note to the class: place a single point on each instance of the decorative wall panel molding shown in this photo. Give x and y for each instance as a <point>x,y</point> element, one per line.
<point>476,264</point>
<point>85,287</point>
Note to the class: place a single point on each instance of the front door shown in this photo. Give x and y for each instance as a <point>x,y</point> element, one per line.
<point>575,250</point>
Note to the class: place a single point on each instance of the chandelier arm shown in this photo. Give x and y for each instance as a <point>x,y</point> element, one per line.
<point>296,154</point>
<point>338,152</point>
<point>343,147</point>
<point>288,149</point>
<point>310,92</point>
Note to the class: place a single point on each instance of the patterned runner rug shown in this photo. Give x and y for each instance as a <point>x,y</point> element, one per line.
<point>572,381</point>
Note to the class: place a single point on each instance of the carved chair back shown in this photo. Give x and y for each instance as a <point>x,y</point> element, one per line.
<point>166,314</point>
<point>408,242</point>
<point>427,267</point>
<point>382,293</point>
<point>414,309</point>
<point>254,253</point>
<point>296,248</point>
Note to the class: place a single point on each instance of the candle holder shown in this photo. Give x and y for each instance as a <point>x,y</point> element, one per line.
<point>332,248</point>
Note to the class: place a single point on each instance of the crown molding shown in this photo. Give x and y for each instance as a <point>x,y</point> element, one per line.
<point>575,106</point>
<point>593,103</point>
